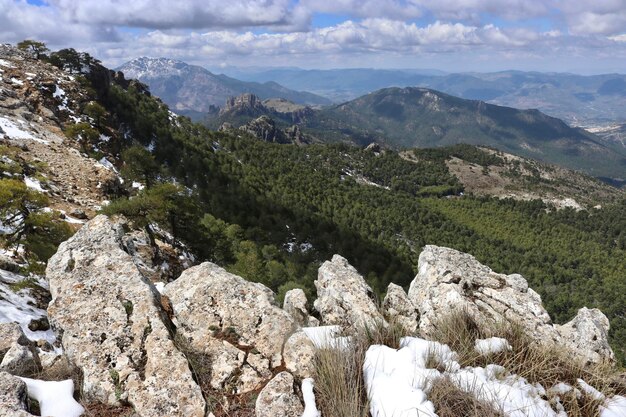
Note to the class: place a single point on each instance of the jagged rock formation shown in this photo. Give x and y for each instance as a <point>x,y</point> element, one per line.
<point>398,307</point>
<point>448,279</point>
<point>113,328</point>
<point>264,120</point>
<point>237,321</point>
<point>343,296</point>
<point>295,304</point>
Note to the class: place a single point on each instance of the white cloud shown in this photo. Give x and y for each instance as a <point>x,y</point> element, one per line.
<point>167,14</point>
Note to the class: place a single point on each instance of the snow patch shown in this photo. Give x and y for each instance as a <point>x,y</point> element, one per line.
<point>19,307</point>
<point>615,407</point>
<point>491,345</point>
<point>58,92</point>
<point>398,381</point>
<point>324,337</point>
<point>310,409</point>
<point>5,63</point>
<point>16,81</point>
<point>33,183</point>
<point>13,131</point>
<point>56,398</point>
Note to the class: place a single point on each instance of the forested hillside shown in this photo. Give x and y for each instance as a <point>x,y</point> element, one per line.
<point>272,213</point>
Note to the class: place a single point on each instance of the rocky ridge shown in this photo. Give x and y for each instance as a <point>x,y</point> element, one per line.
<point>134,344</point>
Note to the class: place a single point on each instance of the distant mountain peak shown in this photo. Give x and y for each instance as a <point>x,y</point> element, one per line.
<point>146,67</point>
<point>192,89</point>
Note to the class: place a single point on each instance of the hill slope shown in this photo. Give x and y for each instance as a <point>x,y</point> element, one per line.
<point>418,117</point>
<point>193,89</point>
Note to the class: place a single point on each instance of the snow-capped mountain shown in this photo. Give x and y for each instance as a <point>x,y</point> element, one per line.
<point>191,88</point>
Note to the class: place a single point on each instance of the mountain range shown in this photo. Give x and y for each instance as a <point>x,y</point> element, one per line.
<point>419,117</point>
<point>192,90</point>
<point>577,99</point>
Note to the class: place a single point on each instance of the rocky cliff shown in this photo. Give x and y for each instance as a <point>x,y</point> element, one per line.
<point>211,342</point>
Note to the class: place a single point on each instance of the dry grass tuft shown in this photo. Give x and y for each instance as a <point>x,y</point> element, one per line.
<point>539,363</point>
<point>459,331</point>
<point>450,401</point>
<point>104,410</point>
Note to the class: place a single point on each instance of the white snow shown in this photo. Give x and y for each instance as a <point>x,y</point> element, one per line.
<point>589,390</point>
<point>159,286</point>
<point>58,92</point>
<point>34,184</point>
<point>19,307</point>
<point>325,337</point>
<point>398,381</point>
<point>310,409</point>
<point>513,395</point>
<point>107,164</point>
<point>491,345</point>
<point>14,131</point>
<point>55,397</point>
<point>615,407</point>
<point>138,185</point>
<point>5,63</point>
<point>16,81</point>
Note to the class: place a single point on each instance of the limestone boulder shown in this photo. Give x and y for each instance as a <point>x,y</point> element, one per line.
<point>451,280</point>
<point>295,304</point>
<point>588,333</point>
<point>299,355</point>
<point>113,328</point>
<point>18,355</point>
<point>343,296</point>
<point>13,396</point>
<point>234,321</point>
<point>278,399</point>
<point>400,309</point>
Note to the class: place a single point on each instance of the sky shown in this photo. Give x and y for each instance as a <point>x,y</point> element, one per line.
<point>579,36</point>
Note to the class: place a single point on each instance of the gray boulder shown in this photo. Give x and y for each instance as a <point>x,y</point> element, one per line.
<point>400,309</point>
<point>343,296</point>
<point>234,321</point>
<point>13,396</point>
<point>588,334</point>
<point>113,328</point>
<point>448,279</point>
<point>17,354</point>
<point>278,399</point>
<point>295,305</point>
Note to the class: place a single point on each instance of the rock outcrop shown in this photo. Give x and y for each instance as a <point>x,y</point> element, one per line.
<point>13,396</point>
<point>588,334</point>
<point>113,328</point>
<point>233,321</point>
<point>278,398</point>
<point>448,279</point>
<point>295,304</point>
<point>343,296</point>
<point>17,354</point>
<point>399,308</point>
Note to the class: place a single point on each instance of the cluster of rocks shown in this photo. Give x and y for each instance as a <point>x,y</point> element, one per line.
<point>133,341</point>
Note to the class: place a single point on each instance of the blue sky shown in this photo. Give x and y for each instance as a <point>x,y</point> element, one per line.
<point>452,35</point>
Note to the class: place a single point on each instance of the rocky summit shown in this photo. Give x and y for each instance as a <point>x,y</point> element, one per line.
<point>192,346</point>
